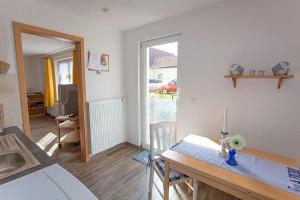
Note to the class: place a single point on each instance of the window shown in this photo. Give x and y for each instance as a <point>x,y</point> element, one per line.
<point>63,72</point>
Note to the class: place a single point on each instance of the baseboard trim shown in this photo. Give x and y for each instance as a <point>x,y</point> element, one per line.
<point>114,148</point>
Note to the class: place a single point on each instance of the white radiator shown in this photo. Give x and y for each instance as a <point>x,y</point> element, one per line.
<point>107,124</point>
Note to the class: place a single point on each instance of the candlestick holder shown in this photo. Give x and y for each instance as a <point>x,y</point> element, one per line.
<point>224,144</point>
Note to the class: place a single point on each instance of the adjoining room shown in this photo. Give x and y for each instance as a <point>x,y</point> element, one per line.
<point>52,96</point>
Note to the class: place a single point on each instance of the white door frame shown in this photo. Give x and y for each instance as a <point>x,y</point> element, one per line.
<point>143,83</point>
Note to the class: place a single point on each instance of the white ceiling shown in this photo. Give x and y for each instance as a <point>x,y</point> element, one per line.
<point>127,14</point>
<point>36,45</point>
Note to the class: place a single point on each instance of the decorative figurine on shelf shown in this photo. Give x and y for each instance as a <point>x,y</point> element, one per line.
<point>236,143</point>
<point>252,72</point>
<point>236,70</point>
<point>223,141</point>
<point>261,72</point>
<point>281,69</point>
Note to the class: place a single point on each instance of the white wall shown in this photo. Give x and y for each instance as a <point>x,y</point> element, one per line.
<point>256,34</point>
<point>10,99</point>
<point>98,37</point>
<point>34,72</point>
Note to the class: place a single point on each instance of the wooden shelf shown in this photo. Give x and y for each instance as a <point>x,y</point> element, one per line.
<point>36,105</point>
<point>36,115</point>
<point>36,108</point>
<point>278,78</point>
<point>34,94</point>
<point>36,101</point>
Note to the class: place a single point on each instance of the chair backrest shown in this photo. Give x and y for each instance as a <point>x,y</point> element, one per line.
<point>162,136</point>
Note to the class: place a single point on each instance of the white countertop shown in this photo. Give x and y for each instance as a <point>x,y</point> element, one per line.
<point>50,183</point>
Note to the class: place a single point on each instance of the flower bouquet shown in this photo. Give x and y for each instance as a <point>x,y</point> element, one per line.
<point>236,143</point>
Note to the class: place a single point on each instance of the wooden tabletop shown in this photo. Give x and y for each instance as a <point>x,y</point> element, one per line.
<point>227,181</point>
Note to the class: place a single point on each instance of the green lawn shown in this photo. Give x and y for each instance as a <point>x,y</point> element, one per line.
<point>163,96</point>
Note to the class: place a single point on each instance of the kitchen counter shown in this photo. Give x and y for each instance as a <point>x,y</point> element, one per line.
<point>50,183</point>
<point>38,153</point>
<point>46,181</point>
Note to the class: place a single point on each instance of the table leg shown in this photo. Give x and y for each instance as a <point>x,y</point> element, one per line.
<point>166,181</point>
<point>190,182</point>
<point>195,189</point>
<point>58,130</point>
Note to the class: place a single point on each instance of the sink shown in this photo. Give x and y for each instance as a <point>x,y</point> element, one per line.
<point>10,162</point>
<point>14,156</point>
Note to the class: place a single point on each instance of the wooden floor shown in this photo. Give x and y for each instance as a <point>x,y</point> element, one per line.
<point>44,134</point>
<point>116,175</point>
<point>41,126</point>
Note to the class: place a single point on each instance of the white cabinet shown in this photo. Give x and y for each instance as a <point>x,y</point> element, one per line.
<point>51,183</point>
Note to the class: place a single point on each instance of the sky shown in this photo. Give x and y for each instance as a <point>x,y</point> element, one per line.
<point>169,47</point>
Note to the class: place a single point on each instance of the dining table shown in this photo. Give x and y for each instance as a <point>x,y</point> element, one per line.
<point>243,187</point>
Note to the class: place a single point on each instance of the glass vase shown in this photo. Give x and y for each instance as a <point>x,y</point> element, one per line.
<point>231,158</point>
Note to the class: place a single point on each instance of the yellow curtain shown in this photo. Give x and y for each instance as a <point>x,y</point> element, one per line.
<point>75,68</point>
<point>54,79</point>
<point>50,86</point>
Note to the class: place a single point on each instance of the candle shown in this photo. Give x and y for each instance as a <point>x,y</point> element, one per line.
<point>225,121</point>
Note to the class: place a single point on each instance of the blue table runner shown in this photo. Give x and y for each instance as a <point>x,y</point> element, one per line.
<point>275,174</point>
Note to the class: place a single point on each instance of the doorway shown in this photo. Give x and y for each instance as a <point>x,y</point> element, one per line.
<point>78,57</point>
<point>159,59</point>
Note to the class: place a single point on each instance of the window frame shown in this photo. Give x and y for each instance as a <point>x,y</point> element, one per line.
<point>57,62</point>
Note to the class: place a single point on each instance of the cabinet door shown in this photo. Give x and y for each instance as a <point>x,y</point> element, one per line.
<point>35,186</point>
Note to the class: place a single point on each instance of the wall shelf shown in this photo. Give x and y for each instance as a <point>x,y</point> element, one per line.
<point>278,78</point>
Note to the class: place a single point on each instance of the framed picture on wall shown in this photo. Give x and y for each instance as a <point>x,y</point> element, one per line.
<point>105,62</point>
<point>98,61</point>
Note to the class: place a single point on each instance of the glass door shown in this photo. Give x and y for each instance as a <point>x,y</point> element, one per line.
<point>159,83</point>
